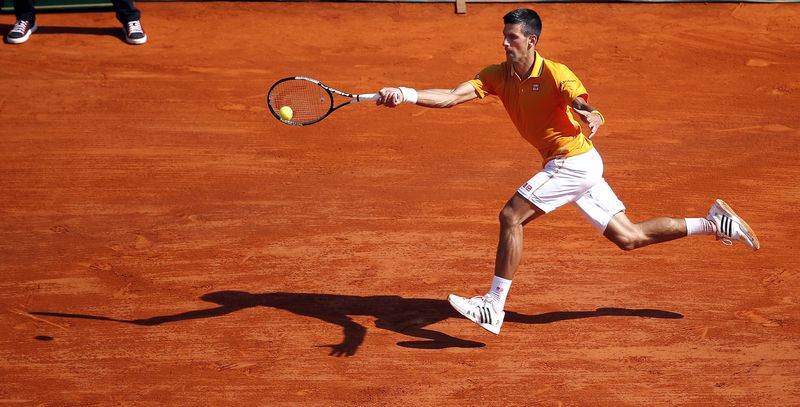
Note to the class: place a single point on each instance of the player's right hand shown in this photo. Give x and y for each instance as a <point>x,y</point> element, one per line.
<point>390,97</point>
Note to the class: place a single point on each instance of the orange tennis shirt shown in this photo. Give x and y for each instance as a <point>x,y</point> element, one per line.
<point>539,105</point>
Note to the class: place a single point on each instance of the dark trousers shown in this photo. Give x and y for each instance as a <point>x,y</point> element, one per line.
<point>126,11</point>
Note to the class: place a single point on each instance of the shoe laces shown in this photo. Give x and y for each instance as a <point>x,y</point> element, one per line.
<point>135,27</point>
<point>21,26</point>
<point>478,299</point>
<point>482,300</point>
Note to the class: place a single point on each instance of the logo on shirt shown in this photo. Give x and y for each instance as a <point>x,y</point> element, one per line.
<point>535,87</point>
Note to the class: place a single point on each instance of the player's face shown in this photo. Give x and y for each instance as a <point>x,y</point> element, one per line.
<point>517,45</point>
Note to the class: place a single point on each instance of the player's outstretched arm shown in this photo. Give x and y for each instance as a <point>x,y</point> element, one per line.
<point>591,116</point>
<point>438,98</point>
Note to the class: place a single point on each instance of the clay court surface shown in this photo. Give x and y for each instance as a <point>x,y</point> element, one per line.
<point>165,241</point>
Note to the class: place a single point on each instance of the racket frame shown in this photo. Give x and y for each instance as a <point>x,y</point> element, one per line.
<point>331,92</point>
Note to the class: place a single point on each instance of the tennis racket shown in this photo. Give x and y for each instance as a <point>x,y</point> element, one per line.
<point>309,100</point>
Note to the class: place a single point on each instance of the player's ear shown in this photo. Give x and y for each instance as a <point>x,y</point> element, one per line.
<point>533,39</point>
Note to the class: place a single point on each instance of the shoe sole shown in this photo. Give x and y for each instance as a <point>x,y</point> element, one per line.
<point>25,38</point>
<point>748,229</point>
<point>495,329</point>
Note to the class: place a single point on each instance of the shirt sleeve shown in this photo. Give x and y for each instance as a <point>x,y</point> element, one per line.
<point>486,82</point>
<point>570,86</point>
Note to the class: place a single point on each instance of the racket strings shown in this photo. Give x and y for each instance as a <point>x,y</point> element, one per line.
<point>308,101</point>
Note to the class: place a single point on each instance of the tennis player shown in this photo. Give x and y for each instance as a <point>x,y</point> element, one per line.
<point>543,98</point>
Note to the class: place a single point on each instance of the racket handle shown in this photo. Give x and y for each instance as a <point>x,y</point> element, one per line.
<point>367,97</point>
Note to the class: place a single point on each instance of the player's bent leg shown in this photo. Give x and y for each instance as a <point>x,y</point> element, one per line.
<point>606,212</point>
<point>628,235</point>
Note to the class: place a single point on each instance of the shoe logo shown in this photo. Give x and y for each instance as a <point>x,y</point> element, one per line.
<point>499,289</point>
<point>725,225</point>
<point>485,315</point>
<point>527,187</point>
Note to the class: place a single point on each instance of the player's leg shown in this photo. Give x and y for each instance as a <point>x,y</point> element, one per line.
<point>607,213</point>
<point>517,213</point>
<point>602,207</point>
<point>487,310</point>
<point>628,235</point>
<point>721,222</point>
<point>561,181</point>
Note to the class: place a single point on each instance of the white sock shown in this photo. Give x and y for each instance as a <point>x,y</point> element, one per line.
<point>699,226</point>
<point>499,291</point>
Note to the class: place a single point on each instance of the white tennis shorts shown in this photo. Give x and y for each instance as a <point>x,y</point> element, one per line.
<point>577,179</point>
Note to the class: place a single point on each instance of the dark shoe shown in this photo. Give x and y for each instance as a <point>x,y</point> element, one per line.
<point>21,32</point>
<point>134,34</point>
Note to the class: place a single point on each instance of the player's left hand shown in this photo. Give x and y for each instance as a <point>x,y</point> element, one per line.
<point>390,97</point>
<point>593,120</point>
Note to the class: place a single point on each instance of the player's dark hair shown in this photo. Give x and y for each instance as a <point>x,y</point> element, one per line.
<point>530,20</point>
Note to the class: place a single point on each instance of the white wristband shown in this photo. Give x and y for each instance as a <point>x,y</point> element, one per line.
<point>409,95</point>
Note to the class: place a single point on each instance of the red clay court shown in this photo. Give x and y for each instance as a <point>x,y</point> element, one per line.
<point>165,242</point>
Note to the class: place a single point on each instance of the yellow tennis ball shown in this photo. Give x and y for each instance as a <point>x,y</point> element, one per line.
<point>286,113</point>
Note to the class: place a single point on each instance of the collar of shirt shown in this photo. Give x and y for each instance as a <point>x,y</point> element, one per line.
<point>536,71</point>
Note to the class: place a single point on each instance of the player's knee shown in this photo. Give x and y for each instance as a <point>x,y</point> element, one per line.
<point>626,245</point>
<point>626,241</point>
<point>508,217</point>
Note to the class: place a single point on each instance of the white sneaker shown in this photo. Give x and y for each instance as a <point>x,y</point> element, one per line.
<point>730,227</point>
<point>480,310</point>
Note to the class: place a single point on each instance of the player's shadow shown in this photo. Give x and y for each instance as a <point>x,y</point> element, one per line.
<point>115,32</point>
<point>407,316</point>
